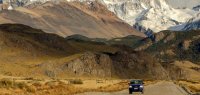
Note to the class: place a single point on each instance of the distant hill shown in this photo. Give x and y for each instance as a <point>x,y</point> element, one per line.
<point>70,18</point>
<point>170,45</point>
<point>177,51</point>
<point>30,52</point>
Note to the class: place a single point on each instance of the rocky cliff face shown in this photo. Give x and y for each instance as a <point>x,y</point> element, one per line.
<point>122,65</point>
<point>94,65</point>
<point>137,65</point>
<point>91,64</point>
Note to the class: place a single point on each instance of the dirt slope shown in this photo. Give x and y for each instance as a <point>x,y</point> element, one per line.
<point>66,19</point>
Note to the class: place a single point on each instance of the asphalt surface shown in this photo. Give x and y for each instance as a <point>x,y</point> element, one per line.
<point>160,88</point>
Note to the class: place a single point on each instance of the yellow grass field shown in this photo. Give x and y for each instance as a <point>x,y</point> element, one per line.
<point>31,86</point>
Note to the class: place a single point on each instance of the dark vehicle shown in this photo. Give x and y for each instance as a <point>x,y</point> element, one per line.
<point>136,86</point>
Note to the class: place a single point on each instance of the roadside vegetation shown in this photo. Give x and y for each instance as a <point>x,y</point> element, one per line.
<point>192,87</point>
<point>30,86</point>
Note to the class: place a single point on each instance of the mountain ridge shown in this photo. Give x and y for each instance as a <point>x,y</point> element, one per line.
<point>29,52</point>
<point>101,23</point>
<point>156,15</point>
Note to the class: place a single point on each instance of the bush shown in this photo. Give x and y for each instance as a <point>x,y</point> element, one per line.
<point>31,89</point>
<point>76,81</point>
<point>20,85</point>
<point>6,83</point>
<point>37,84</point>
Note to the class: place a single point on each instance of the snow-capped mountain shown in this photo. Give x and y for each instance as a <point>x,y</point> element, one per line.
<point>192,24</point>
<point>196,8</point>
<point>154,15</point>
<point>183,3</point>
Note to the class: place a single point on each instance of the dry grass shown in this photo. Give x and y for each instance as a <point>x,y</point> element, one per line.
<point>114,87</point>
<point>25,86</point>
<point>76,81</point>
<point>8,83</point>
<point>191,86</point>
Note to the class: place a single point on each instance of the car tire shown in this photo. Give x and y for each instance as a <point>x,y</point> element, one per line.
<point>142,92</point>
<point>130,92</point>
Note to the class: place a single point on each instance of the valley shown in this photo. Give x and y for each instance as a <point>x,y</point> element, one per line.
<point>34,55</point>
<point>98,47</point>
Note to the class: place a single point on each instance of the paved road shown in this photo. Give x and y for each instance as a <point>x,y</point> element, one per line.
<point>161,88</point>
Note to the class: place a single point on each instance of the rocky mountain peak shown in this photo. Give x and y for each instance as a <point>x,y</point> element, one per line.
<point>156,15</point>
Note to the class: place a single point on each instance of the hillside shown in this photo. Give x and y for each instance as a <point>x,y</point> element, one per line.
<point>69,18</point>
<point>178,45</point>
<point>29,52</point>
<point>156,15</point>
<point>23,47</point>
<point>178,52</point>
